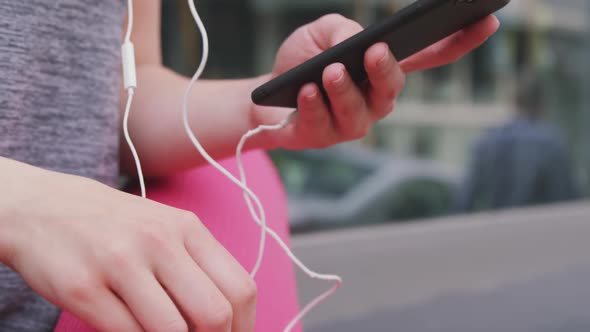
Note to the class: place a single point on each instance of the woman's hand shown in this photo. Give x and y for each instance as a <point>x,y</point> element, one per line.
<point>352,111</point>
<point>119,262</point>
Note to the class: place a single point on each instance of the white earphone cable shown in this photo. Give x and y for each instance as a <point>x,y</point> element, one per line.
<point>276,237</point>
<point>129,21</point>
<point>249,196</point>
<point>203,152</point>
<point>130,93</point>
<point>130,83</point>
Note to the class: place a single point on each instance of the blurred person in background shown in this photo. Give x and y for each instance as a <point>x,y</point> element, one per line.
<point>524,162</point>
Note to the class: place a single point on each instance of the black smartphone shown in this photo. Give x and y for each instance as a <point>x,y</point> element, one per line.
<point>407,32</point>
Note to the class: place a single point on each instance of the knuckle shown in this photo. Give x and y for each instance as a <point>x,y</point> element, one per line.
<point>246,293</point>
<point>187,217</point>
<point>118,258</point>
<point>153,238</point>
<point>80,290</point>
<point>189,221</point>
<point>219,317</point>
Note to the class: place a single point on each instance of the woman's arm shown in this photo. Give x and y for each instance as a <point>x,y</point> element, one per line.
<point>221,111</point>
<point>219,115</point>
<point>138,265</point>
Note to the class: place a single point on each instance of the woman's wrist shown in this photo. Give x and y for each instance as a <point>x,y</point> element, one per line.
<point>20,196</point>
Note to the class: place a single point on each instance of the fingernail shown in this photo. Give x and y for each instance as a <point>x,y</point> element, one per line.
<point>338,76</point>
<point>310,92</point>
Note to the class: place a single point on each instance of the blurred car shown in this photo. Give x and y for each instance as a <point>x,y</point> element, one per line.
<point>352,186</point>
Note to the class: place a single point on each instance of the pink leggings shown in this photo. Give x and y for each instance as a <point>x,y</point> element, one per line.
<point>220,205</point>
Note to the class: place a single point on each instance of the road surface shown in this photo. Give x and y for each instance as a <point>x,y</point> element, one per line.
<point>518,271</point>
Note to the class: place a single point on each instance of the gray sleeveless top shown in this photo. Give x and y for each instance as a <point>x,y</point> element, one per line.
<point>59,94</point>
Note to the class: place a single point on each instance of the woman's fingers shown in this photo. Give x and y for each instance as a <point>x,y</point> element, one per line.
<point>239,292</point>
<point>453,47</point>
<point>386,80</point>
<point>148,301</point>
<point>199,299</point>
<point>100,308</point>
<point>348,105</point>
<point>314,122</point>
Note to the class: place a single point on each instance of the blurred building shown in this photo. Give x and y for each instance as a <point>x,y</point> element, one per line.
<point>442,111</point>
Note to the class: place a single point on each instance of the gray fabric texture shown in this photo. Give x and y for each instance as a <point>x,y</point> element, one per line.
<point>59,96</point>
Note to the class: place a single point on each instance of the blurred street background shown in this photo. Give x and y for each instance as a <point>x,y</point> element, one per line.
<point>465,206</point>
